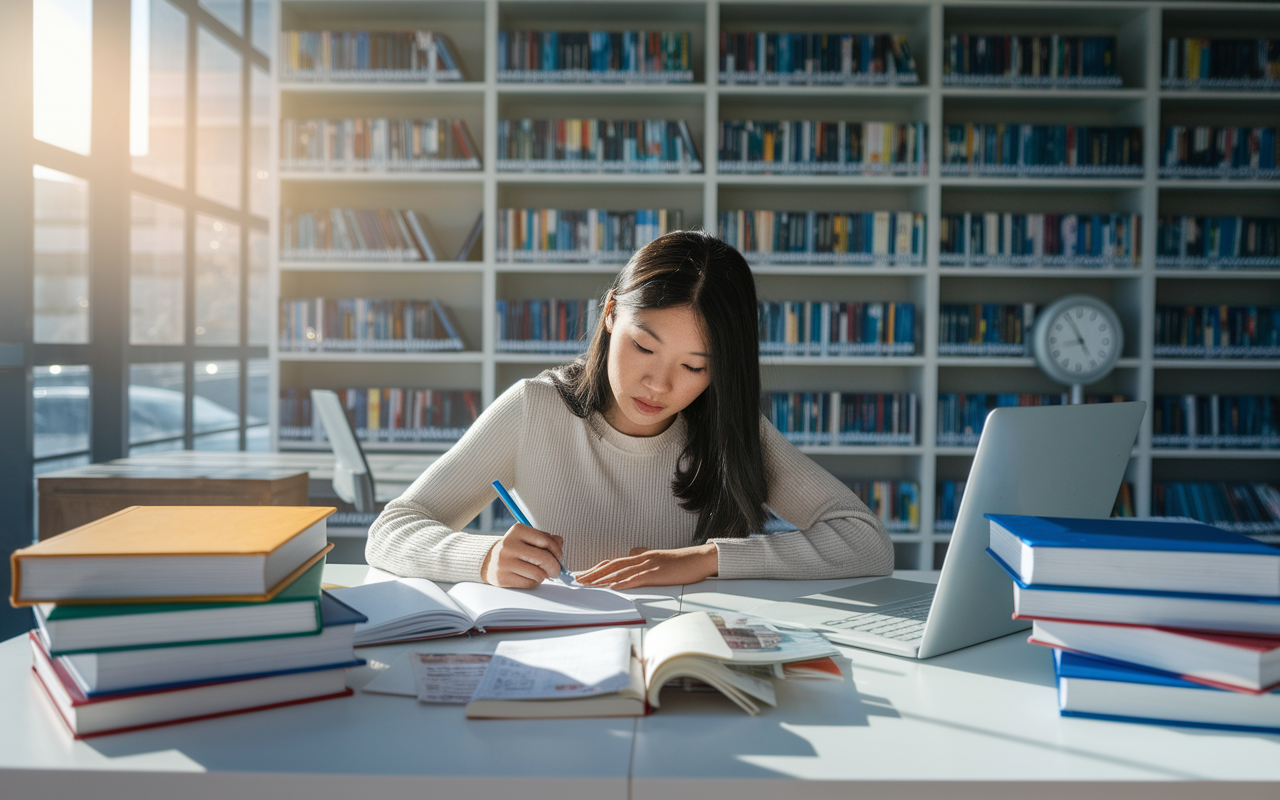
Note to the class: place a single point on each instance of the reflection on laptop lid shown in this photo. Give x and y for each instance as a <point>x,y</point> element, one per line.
<point>1058,461</point>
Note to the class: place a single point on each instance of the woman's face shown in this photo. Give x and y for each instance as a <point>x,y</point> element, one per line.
<point>658,364</point>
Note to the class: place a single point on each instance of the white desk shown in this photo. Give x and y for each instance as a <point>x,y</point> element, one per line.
<point>980,722</point>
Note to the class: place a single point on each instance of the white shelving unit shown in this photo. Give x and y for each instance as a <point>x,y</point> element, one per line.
<point>452,200</point>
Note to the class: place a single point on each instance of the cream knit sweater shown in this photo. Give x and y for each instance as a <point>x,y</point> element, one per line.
<point>606,492</point>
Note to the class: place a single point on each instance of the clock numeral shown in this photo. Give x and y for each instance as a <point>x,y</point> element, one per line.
<point>1092,364</point>
<point>1102,354</point>
<point>1093,315</point>
<point>1056,353</point>
<point>1058,327</point>
<point>1102,327</point>
<point>1066,362</point>
<point>1079,313</point>
<point>1106,342</point>
<point>1053,340</point>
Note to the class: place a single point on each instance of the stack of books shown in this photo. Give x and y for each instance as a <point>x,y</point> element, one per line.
<point>163,614</point>
<point>1153,621</point>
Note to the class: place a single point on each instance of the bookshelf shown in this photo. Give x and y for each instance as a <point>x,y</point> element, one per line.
<point>470,289</point>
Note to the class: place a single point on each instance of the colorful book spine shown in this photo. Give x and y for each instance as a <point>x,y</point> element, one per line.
<point>1079,62</point>
<point>1218,242</point>
<point>947,505</point>
<point>594,57</point>
<point>1251,508</point>
<point>368,325</point>
<point>1042,151</point>
<point>896,503</point>
<point>354,234</point>
<point>961,416</point>
<point>377,145</point>
<point>1240,64</point>
<point>857,238</point>
<point>1040,240</point>
<point>985,329</point>
<point>545,326</point>
<point>813,147</point>
<point>1217,332</point>
<point>818,328</point>
<point>596,145</point>
<point>843,418</point>
<point>1232,152</point>
<point>385,415</point>
<point>378,56</point>
<point>1215,421</point>
<point>576,235</point>
<point>824,59</point>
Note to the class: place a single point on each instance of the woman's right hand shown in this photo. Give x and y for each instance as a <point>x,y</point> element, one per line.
<point>523,558</point>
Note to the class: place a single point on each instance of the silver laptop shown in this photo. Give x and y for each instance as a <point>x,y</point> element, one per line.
<point>1054,461</point>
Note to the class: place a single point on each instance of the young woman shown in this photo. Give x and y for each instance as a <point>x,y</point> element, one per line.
<point>645,463</point>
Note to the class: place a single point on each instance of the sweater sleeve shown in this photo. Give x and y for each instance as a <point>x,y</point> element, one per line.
<point>838,536</point>
<point>419,533</point>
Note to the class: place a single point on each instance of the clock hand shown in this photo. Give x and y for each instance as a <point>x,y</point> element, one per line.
<point>1079,338</point>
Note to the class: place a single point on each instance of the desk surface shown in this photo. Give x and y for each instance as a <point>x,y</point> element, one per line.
<point>982,719</point>
<point>392,472</point>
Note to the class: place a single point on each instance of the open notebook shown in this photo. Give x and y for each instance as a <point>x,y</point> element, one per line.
<point>416,608</point>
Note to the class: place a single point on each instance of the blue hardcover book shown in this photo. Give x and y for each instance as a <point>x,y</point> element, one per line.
<point>1190,611</point>
<point>148,669</point>
<point>1141,554</point>
<point>1100,689</point>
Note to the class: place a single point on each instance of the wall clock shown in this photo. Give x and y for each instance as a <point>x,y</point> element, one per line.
<point>1077,340</point>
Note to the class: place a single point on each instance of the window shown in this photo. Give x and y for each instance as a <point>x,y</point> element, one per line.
<point>61,257</point>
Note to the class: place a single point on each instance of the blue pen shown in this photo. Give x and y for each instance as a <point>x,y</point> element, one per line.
<point>517,511</point>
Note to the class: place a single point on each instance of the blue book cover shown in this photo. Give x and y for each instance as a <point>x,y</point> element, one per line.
<point>1116,534</point>
<point>1044,587</point>
<point>1068,665</point>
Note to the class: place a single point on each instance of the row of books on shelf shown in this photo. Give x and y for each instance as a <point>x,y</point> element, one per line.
<point>843,418</point>
<point>1248,507</point>
<point>1224,151</point>
<point>1215,421</point>
<point>824,59</point>
<point>825,328</point>
<point>949,493</point>
<point>397,55</point>
<point>896,503</point>
<point>814,147</point>
<point>365,234</point>
<point>377,144</point>
<point>1007,239</point>
<point>596,145</point>
<point>870,238</point>
<point>1218,242</point>
<point>120,645</point>
<point>1199,63</point>
<point>985,329</point>
<point>580,235</point>
<point>594,57</point>
<point>545,326</point>
<point>1045,151</point>
<point>385,415</point>
<point>1152,621</point>
<point>1034,61</point>
<point>362,324</point>
<point>1220,331</point>
<point>962,416</point>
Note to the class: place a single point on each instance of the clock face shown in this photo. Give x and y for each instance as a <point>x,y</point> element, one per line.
<point>1077,340</point>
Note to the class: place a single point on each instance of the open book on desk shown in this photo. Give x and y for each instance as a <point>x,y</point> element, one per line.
<point>416,608</point>
<point>622,673</point>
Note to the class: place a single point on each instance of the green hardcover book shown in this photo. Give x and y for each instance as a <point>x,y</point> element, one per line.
<point>295,611</point>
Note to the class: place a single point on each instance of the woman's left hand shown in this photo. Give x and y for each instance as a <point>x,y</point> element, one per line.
<point>655,568</point>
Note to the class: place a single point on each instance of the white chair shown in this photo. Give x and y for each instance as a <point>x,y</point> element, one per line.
<point>352,480</point>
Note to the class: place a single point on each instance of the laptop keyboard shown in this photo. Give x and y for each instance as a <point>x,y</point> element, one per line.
<point>904,623</point>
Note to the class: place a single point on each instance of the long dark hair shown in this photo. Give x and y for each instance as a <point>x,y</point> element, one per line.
<point>720,474</point>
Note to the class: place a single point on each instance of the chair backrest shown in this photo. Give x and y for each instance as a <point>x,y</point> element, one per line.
<point>352,479</point>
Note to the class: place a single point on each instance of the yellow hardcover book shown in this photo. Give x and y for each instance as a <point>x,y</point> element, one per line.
<point>173,554</point>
